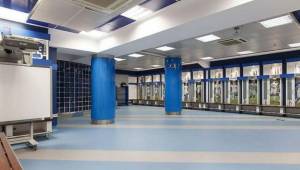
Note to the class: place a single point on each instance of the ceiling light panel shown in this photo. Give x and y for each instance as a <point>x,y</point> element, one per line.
<point>207,58</point>
<point>294,45</point>
<point>138,68</point>
<point>137,13</point>
<point>119,59</point>
<point>275,22</point>
<point>155,65</point>
<point>165,48</point>
<point>208,38</point>
<point>13,15</point>
<point>245,52</point>
<point>135,55</point>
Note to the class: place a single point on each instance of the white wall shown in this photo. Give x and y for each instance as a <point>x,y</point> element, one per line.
<point>121,78</point>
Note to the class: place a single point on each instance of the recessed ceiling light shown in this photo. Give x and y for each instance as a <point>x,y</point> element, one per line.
<point>207,58</point>
<point>138,68</point>
<point>287,19</point>
<point>245,52</point>
<point>94,33</point>
<point>165,48</point>
<point>155,65</point>
<point>294,45</point>
<point>135,55</point>
<point>208,38</point>
<point>119,59</point>
<point>137,12</point>
<point>13,15</point>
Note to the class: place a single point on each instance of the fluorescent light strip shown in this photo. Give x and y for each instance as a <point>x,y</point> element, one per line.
<point>135,55</point>
<point>155,65</point>
<point>165,48</point>
<point>13,15</point>
<point>137,13</point>
<point>294,45</point>
<point>283,20</point>
<point>138,68</point>
<point>245,52</point>
<point>208,38</point>
<point>93,33</point>
<point>119,59</point>
<point>207,58</point>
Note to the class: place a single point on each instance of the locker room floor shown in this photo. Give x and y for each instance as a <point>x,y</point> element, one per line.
<point>144,138</point>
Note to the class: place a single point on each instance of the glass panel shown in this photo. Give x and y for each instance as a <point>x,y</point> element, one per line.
<point>218,91</point>
<point>245,92</point>
<point>234,95</point>
<point>265,94</point>
<point>275,91</point>
<point>253,91</point>
<point>198,92</point>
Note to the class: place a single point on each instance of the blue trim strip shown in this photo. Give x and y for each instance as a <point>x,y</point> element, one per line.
<point>215,67</point>
<point>293,59</point>
<point>232,66</point>
<point>264,77</point>
<point>242,78</point>
<point>41,62</point>
<point>271,62</point>
<point>287,75</point>
<point>250,64</point>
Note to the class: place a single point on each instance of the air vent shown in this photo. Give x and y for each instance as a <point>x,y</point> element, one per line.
<point>107,6</point>
<point>232,41</point>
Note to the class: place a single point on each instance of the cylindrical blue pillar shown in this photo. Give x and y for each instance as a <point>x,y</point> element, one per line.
<point>103,90</point>
<point>173,88</point>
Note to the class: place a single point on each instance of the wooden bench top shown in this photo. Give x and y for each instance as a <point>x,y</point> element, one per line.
<point>8,159</point>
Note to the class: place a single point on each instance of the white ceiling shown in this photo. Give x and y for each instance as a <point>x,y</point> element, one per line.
<point>259,40</point>
<point>191,18</point>
<point>182,22</point>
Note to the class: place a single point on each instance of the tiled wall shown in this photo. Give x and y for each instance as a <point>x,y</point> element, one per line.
<point>73,87</point>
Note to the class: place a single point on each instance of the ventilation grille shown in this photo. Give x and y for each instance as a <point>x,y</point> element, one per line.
<point>232,41</point>
<point>107,6</point>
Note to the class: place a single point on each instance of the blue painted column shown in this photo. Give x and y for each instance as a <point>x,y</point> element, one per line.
<point>173,87</point>
<point>53,58</point>
<point>103,90</point>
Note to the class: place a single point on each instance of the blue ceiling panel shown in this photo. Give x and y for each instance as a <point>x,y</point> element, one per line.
<point>297,15</point>
<point>115,23</point>
<point>19,5</point>
<point>156,5</point>
<point>40,23</point>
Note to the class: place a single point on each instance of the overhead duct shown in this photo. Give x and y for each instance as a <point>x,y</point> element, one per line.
<point>232,41</point>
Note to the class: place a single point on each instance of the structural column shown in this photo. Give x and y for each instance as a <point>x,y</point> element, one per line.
<point>103,90</point>
<point>173,89</point>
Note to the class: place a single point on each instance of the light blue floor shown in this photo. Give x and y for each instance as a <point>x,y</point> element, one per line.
<point>168,139</point>
<point>81,165</point>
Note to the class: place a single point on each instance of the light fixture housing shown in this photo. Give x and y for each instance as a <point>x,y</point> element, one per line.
<point>13,15</point>
<point>275,22</point>
<point>94,33</point>
<point>136,55</point>
<point>165,48</point>
<point>245,52</point>
<point>136,13</point>
<point>206,58</point>
<point>294,45</point>
<point>119,59</point>
<point>208,38</point>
